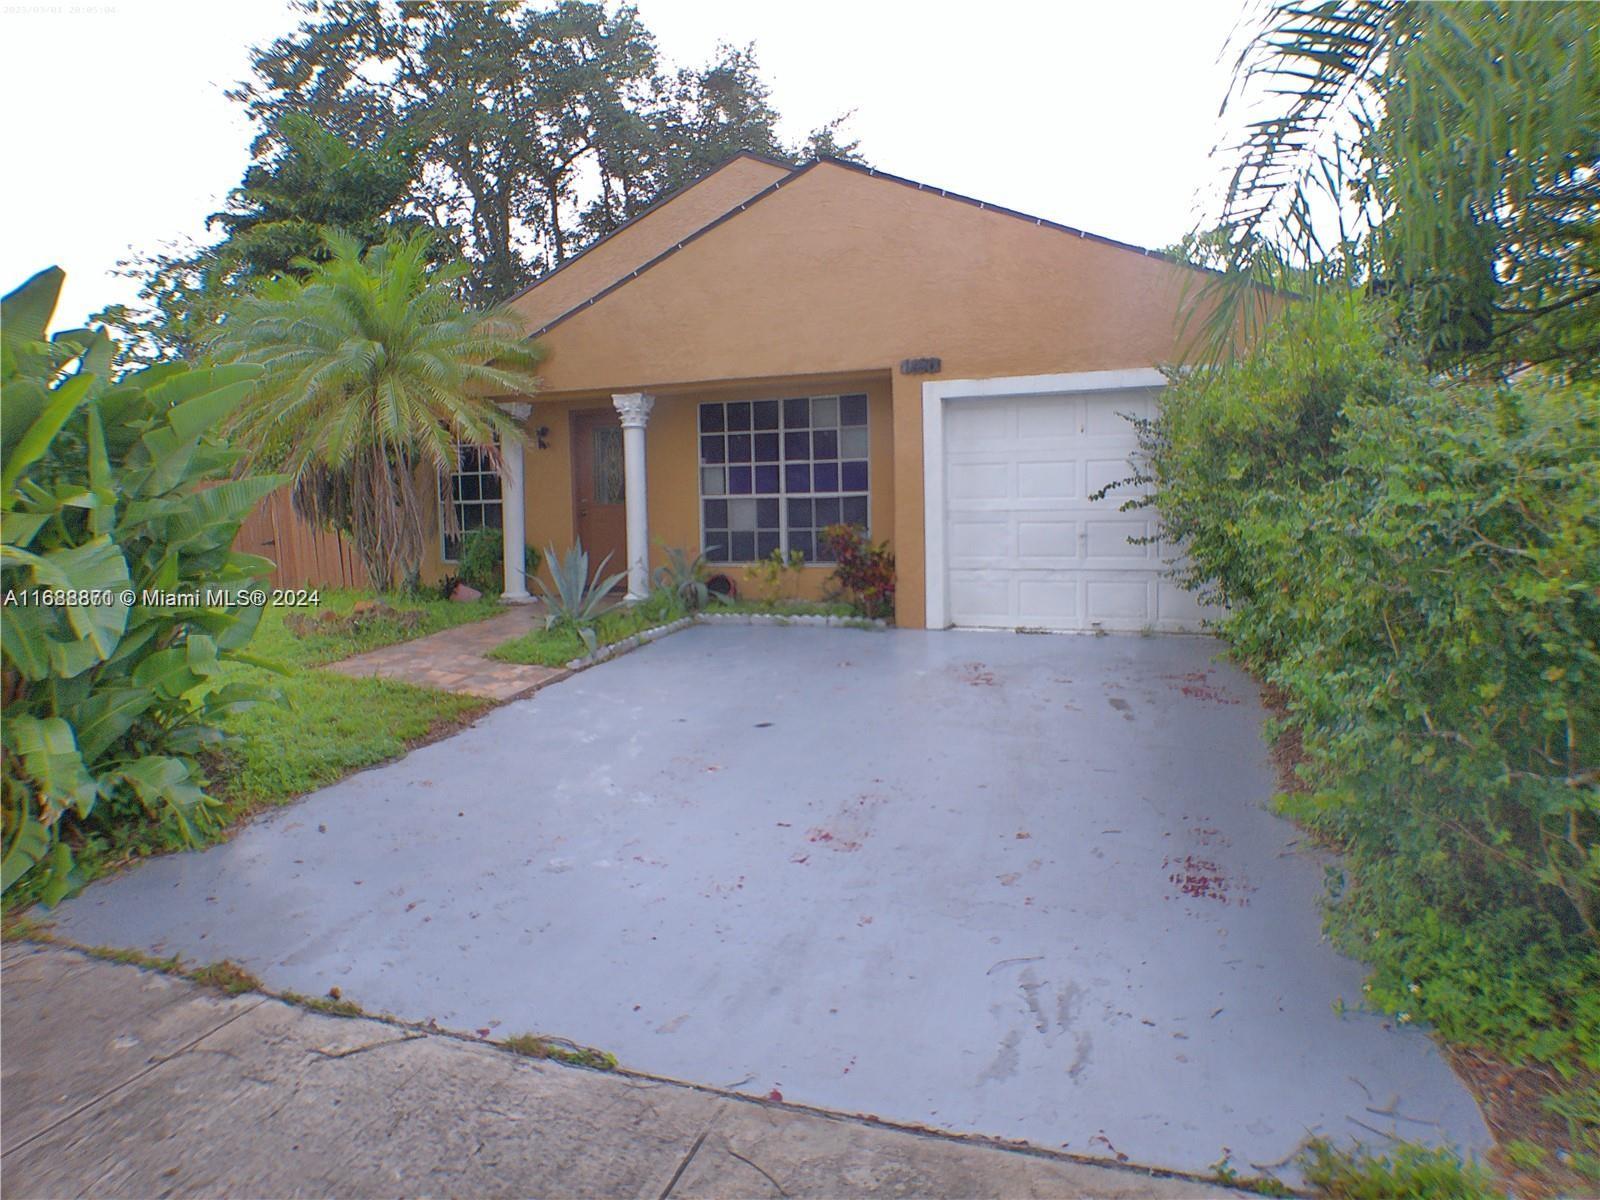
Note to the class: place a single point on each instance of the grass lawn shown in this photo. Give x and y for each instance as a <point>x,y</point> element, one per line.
<point>327,726</point>
<point>559,646</point>
<point>786,608</point>
<point>276,641</point>
<point>330,725</point>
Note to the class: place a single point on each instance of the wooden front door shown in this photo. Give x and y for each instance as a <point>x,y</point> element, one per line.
<point>600,492</point>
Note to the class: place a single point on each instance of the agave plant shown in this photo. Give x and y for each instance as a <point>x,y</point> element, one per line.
<point>574,597</point>
<point>687,578</point>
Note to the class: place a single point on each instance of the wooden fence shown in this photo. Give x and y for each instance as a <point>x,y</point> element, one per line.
<point>306,557</point>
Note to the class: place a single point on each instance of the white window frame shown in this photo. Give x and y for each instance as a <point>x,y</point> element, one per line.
<point>447,497</point>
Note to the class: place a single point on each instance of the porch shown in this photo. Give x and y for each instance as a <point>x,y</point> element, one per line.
<point>735,470</point>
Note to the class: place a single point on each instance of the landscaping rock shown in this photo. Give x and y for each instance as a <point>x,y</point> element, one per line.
<point>465,594</point>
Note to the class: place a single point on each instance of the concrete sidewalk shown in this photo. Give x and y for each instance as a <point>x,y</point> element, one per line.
<point>119,1081</point>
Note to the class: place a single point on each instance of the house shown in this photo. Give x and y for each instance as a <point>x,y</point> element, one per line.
<point>774,349</point>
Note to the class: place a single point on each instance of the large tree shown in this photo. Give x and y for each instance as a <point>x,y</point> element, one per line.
<point>374,371</point>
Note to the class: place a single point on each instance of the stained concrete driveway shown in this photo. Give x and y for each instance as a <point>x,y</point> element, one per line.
<point>1018,885</point>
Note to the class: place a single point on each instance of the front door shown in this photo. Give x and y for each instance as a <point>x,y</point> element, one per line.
<point>598,483</point>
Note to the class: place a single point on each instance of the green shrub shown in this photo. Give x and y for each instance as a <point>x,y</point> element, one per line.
<point>661,607</point>
<point>863,571</point>
<point>1414,562</point>
<point>777,576</point>
<point>114,491</point>
<point>1579,1107</point>
<point>482,561</point>
<point>795,608</point>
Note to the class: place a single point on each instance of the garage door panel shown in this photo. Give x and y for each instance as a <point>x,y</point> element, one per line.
<point>1123,603</point>
<point>969,425</point>
<point>1104,413</point>
<point>1047,480</point>
<point>1025,545</point>
<point>1040,417</point>
<point>1103,472</point>
<point>1112,539</point>
<point>988,598</point>
<point>1176,607</point>
<point>976,537</point>
<point>1046,540</point>
<point>1047,603</point>
<point>980,481</point>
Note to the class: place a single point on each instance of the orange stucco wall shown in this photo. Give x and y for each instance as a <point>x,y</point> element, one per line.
<point>647,236</point>
<point>838,274</point>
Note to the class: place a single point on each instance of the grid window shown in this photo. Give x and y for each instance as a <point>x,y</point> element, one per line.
<point>775,472</point>
<point>474,488</point>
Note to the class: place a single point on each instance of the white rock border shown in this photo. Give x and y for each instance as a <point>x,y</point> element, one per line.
<point>606,653</point>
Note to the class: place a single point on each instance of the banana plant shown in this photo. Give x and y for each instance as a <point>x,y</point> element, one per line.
<point>123,597</point>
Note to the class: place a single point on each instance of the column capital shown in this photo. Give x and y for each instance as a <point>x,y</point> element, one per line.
<point>634,408</point>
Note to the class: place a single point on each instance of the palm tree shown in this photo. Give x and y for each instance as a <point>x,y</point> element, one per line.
<point>1447,154</point>
<point>374,373</point>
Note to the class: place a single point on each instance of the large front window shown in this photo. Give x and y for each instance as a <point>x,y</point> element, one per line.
<point>474,489</point>
<point>775,472</point>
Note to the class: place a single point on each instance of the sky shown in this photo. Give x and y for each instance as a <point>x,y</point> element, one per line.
<point>119,137</point>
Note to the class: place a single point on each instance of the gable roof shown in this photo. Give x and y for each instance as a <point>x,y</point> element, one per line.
<point>545,316</point>
<point>645,236</point>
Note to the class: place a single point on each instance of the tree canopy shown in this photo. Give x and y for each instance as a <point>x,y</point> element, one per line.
<point>307,183</point>
<point>517,132</point>
<point>1447,155</point>
<point>540,126</point>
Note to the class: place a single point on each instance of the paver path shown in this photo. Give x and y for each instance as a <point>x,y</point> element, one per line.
<point>122,1082</point>
<point>453,659</point>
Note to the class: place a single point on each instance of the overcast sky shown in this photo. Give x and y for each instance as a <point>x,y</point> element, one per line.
<point>119,138</point>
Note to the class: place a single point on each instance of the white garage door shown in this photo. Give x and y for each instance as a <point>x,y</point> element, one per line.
<point>1025,547</point>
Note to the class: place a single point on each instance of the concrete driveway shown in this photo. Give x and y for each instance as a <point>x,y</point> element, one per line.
<point>1017,885</point>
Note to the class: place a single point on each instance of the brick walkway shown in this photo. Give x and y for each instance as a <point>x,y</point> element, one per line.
<point>453,659</point>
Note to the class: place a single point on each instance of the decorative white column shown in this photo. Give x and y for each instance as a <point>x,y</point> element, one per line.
<point>634,409</point>
<point>513,515</point>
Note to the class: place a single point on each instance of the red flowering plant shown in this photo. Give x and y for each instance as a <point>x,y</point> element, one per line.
<point>863,571</point>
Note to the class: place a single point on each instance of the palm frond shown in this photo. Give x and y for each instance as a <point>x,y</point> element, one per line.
<point>373,370</point>
<point>1447,154</point>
